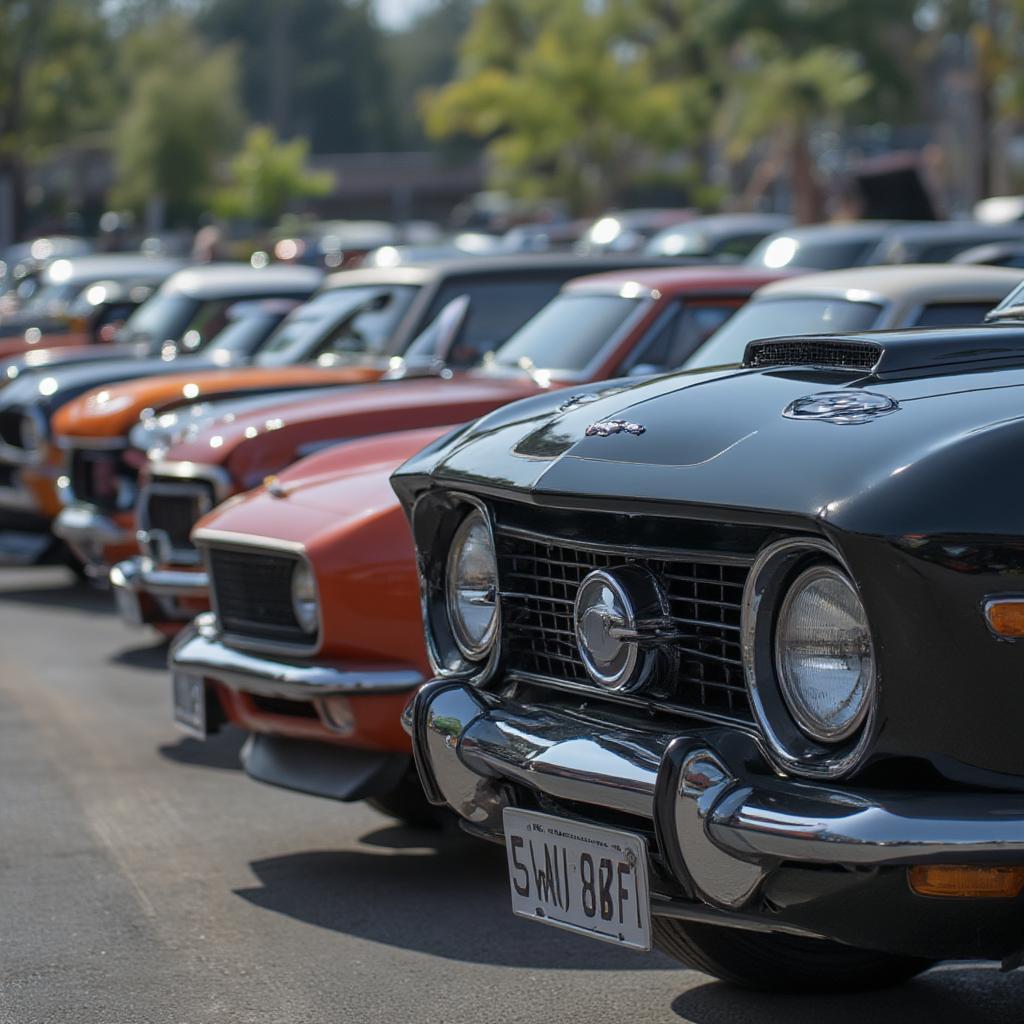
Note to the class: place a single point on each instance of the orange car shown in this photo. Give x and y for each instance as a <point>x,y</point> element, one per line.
<point>341,340</point>
<point>321,696</point>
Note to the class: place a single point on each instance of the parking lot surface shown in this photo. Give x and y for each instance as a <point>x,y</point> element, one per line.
<point>144,878</point>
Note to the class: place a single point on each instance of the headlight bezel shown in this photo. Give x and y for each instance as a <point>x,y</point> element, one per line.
<point>435,517</point>
<point>791,748</point>
<point>473,651</point>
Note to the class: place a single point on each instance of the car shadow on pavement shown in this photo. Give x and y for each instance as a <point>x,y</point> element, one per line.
<point>437,892</point>
<point>219,750</point>
<point>152,656</point>
<point>48,592</point>
<point>954,992</point>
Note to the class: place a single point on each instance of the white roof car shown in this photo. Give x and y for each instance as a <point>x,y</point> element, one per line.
<point>860,299</point>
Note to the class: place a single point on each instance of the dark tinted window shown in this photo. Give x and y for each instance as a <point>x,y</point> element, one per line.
<point>678,334</point>
<point>952,314</point>
<point>498,308</point>
<point>567,333</point>
<point>779,318</point>
<point>815,254</point>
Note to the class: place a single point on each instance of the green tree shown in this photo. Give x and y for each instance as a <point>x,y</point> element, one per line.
<point>309,67</point>
<point>182,118</point>
<point>267,176</point>
<point>776,98</point>
<point>567,103</point>
<point>54,85</point>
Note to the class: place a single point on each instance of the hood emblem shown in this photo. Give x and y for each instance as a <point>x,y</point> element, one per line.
<point>605,428</point>
<point>841,407</point>
<point>573,400</point>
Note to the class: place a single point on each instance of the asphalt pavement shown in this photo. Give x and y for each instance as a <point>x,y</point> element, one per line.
<point>144,878</point>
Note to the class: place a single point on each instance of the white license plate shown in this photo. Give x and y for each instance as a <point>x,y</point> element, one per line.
<point>584,878</point>
<point>189,696</point>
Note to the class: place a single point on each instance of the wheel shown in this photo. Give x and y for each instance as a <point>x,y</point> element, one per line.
<point>407,803</point>
<point>781,963</point>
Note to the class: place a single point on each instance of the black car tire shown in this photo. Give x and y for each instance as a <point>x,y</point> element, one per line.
<point>781,963</point>
<point>407,803</point>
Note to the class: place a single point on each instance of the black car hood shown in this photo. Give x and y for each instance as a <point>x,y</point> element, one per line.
<point>722,441</point>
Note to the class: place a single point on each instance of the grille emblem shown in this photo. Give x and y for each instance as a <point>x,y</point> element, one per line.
<point>605,428</point>
<point>842,407</point>
<point>621,622</point>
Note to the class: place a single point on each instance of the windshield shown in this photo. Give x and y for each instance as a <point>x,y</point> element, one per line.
<point>779,318</point>
<point>51,300</point>
<point>567,333</point>
<point>245,335</point>
<point>321,326</point>
<point>161,318</point>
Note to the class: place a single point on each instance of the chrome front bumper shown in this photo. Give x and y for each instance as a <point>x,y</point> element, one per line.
<point>722,828</point>
<point>199,650</point>
<point>139,584</point>
<point>88,532</point>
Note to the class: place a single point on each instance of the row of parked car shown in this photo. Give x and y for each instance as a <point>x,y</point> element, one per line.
<point>697,586</point>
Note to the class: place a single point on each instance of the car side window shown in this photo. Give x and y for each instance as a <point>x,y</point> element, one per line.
<point>951,314</point>
<point>677,334</point>
<point>497,309</point>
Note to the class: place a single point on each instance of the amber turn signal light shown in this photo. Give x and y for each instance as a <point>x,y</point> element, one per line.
<point>967,882</point>
<point>1006,618</point>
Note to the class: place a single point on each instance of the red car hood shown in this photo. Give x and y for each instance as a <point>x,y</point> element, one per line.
<point>252,448</point>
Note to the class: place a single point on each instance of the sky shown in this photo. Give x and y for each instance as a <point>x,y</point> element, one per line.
<point>397,14</point>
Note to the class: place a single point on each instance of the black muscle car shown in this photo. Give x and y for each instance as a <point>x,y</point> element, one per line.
<point>730,660</point>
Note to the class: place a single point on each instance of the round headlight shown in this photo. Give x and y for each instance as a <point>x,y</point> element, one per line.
<point>472,587</point>
<point>823,651</point>
<point>304,599</point>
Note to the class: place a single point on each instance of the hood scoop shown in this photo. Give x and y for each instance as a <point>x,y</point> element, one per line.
<point>893,351</point>
<point>817,352</point>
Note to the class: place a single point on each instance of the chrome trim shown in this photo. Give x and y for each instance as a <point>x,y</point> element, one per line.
<point>479,671</point>
<point>229,538</point>
<point>202,651</point>
<point>815,760</point>
<point>211,537</point>
<point>630,551</point>
<point>732,828</point>
<point>986,604</point>
<point>85,525</point>
<point>156,543</point>
<point>140,575</point>
<point>223,485</point>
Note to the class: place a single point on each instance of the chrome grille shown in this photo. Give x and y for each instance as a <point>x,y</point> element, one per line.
<point>252,594</point>
<point>539,578</point>
<point>807,352</point>
<point>98,477</point>
<point>167,512</point>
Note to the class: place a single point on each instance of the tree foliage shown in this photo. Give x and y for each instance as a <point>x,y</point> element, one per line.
<point>267,176</point>
<point>568,104</point>
<point>181,118</point>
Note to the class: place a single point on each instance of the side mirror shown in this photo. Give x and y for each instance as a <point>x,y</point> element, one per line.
<point>429,352</point>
